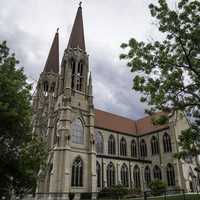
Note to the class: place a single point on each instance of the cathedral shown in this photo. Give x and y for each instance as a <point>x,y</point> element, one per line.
<point>91,149</point>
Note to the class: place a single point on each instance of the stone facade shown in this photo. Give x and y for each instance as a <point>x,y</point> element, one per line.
<point>64,115</point>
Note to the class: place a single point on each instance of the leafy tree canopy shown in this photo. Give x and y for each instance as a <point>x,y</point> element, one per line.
<point>157,187</point>
<point>21,153</point>
<point>167,72</point>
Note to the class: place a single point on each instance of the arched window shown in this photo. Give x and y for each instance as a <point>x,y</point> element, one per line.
<point>124,175</point>
<point>110,175</point>
<point>77,132</point>
<point>46,87</point>
<point>123,147</point>
<point>143,148</point>
<point>73,67</point>
<point>167,143</point>
<point>80,68</point>
<point>99,143</point>
<point>98,168</point>
<point>111,145</point>
<point>77,173</point>
<point>53,85</point>
<point>154,145</point>
<point>136,176</point>
<point>133,149</point>
<point>147,175</point>
<point>79,76</point>
<point>157,173</point>
<point>170,175</point>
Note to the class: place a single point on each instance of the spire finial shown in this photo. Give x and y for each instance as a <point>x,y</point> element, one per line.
<point>57,30</point>
<point>80,3</point>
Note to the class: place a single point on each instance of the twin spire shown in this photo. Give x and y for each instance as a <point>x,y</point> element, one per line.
<point>76,40</point>
<point>52,63</point>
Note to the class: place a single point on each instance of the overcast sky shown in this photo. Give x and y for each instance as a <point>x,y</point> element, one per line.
<point>29,27</point>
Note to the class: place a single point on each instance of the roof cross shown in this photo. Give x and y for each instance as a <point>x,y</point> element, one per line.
<point>80,3</point>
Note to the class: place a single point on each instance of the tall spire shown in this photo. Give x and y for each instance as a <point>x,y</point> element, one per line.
<point>77,39</point>
<point>52,63</point>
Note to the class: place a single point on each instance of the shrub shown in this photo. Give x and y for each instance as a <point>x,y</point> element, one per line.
<point>157,187</point>
<point>86,195</point>
<point>114,192</point>
<point>135,190</point>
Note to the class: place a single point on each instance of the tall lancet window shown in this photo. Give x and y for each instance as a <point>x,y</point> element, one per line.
<point>133,149</point>
<point>99,143</point>
<point>123,147</point>
<point>73,67</point>
<point>147,175</point>
<point>98,168</point>
<point>79,84</point>
<point>136,177</point>
<point>77,132</point>
<point>111,145</point>
<point>157,173</point>
<point>124,175</point>
<point>170,175</point>
<point>77,173</point>
<point>167,143</point>
<point>154,145</point>
<point>110,175</point>
<point>143,148</point>
<point>46,88</point>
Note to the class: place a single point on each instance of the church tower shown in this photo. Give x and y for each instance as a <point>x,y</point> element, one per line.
<point>46,90</point>
<point>70,117</point>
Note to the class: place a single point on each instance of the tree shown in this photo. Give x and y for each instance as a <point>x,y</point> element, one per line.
<point>21,153</point>
<point>167,72</point>
<point>157,187</point>
<point>190,145</point>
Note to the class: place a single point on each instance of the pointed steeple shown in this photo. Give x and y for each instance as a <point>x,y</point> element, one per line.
<point>77,39</point>
<point>52,63</point>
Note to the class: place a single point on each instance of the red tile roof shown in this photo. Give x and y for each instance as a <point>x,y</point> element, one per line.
<point>114,122</point>
<point>109,121</point>
<point>145,125</point>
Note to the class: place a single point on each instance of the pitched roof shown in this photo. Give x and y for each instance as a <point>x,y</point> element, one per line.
<point>146,125</point>
<point>77,39</point>
<point>109,121</point>
<point>52,63</point>
<point>114,122</point>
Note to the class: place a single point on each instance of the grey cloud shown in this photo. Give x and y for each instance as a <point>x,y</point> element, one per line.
<point>29,29</point>
<point>112,87</point>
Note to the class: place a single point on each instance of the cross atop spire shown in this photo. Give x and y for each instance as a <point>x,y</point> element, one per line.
<point>77,39</point>
<point>52,63</point>
<point>80,3</point>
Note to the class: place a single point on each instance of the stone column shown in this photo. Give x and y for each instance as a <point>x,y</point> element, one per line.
<point>163,172</point>
<point>104,174</point>
<point>142,178</point>
<point>118,174</point>
<point>92,155</point>
<point>131,175</point>
<point>60,182</point>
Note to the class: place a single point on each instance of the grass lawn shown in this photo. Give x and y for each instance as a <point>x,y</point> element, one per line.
<point>173,197</point>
